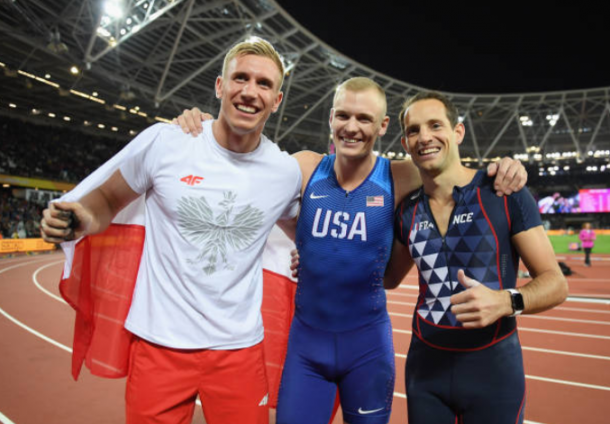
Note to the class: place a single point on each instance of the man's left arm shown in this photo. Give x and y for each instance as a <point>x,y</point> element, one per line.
<point>399,265</point>
<point>549,287</point>
<point>480,306</point>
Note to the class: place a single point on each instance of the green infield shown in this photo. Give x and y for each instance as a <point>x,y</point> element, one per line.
<point>561,244</point>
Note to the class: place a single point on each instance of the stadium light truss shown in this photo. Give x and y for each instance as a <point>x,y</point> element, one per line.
<point>164,56</point>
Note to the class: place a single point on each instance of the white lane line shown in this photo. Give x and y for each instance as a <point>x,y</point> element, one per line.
<point>580,257</point>
<point>557,308</point>
<point>590,298</point>
<point>397,394</point>
<point>407,287</point>
<point>562,352</point>
<point>396,302</point>
<point>536,349</point>
<point>568,383</point>
<point>59,299</point>
<point>22,264</point>
<point>564,333</point>
<point>585,321</point>
<point>545,379</point>
<point>398,355</point>
<point>586,280</point>
<point>593,311</point>
<point>34,332</point>
<point>47,339</point>
<point>538,316</point>
<point>4,419</point>
<point>45,291</point>
<point>393,294</point>
<point>398,314</point>
<point>583,298</point>
<point>24,258</point>
<point>534,330</point>
<point>523,328</point>
<point>22,325</point>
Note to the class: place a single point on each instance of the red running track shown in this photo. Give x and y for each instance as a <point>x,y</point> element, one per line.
<point>566,351</point>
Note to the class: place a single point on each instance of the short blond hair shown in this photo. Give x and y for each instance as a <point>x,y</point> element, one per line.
<point>258,47</point>
<point>358,84</point>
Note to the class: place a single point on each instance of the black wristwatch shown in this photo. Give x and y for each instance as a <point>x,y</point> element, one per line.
<point>516,299</point>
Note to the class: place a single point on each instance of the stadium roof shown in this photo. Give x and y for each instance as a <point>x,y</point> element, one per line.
<point>139,60</point>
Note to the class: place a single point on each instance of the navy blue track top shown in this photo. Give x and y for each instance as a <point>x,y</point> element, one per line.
<point>478,241</point>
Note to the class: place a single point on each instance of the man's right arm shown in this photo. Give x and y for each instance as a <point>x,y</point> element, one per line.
<point>289,227</point>
<point>399,265</point>
<point>93,213</point>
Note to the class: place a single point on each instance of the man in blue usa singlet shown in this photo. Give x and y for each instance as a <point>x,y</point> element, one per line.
<point>464,363</point>
<point>341,337</point>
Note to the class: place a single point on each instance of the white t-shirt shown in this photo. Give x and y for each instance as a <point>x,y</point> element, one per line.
<point>208,214</point>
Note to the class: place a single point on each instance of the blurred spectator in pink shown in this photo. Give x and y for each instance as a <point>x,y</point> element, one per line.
<point>587,240</point>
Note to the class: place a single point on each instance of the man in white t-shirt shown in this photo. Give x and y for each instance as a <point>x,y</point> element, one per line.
<point>210,205</point>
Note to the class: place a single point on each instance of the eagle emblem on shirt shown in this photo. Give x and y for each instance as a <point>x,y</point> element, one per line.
<point>217,235</point>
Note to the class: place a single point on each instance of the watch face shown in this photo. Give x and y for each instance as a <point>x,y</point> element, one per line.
<point>517,301</point>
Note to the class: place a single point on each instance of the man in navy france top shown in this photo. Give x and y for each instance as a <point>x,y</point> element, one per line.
<point>477,239</point>
<point>464,362</point>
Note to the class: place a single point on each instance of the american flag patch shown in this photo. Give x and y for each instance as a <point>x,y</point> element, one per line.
<point>374,200</point>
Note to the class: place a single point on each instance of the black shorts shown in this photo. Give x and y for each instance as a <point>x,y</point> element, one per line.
<point>482,386</point>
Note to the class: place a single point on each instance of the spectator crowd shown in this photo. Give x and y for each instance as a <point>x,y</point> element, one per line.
<point>52,153</point>
<point>43,152</point>
<point>63,154</point>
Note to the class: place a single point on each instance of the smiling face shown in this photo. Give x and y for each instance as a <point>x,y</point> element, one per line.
<point>356,120</point>
<point>249,93</point>
<point>430,138</point>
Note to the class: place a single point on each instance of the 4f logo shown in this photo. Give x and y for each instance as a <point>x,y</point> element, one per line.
<point>191,179</point>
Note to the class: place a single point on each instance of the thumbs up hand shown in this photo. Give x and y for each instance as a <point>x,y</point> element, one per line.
<point>466,282</point>
<point>478,306</point>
